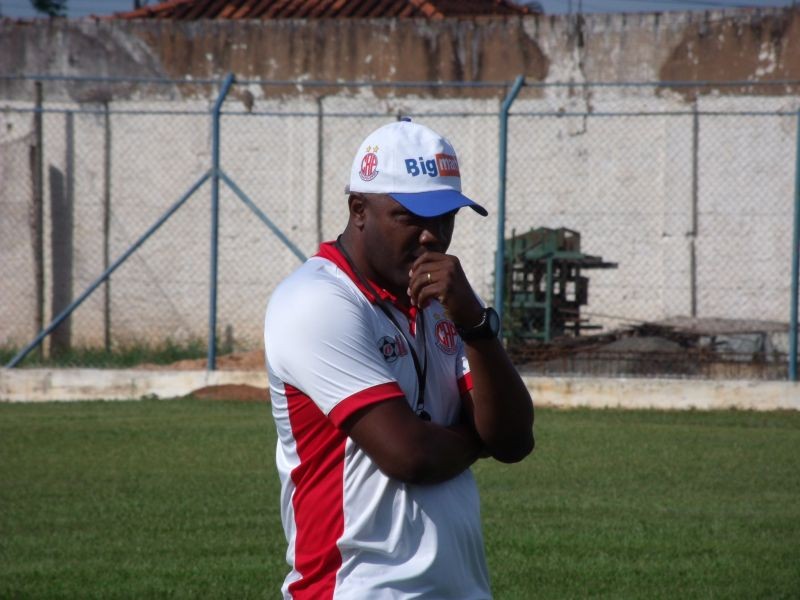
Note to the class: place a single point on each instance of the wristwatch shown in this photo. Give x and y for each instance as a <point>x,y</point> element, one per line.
<point>487,328</point>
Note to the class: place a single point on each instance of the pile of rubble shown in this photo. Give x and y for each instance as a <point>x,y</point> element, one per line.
<point>675,347</point>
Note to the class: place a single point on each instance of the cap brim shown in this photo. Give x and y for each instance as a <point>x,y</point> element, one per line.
<point>435,203</point>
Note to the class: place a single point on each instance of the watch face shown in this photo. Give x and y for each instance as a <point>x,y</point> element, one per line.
<point>493,321</point>
<point>488,328</point>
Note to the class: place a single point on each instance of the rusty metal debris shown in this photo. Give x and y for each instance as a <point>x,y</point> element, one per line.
<point>675,347</point>
<point>545,286</point>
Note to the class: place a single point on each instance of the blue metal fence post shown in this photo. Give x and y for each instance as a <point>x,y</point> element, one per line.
<point>500,252</point>
<point>264,218</point>
<point>795,262</point>
<point>212,305</point>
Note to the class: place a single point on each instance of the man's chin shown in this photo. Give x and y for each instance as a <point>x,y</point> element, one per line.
<point>399,287</point>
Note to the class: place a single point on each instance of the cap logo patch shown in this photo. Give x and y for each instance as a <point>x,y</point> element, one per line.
<point>445,165</point>
<point>369,164</point>
<point>448,165</point>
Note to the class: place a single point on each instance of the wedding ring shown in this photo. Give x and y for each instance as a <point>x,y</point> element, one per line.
<point>429,277</point>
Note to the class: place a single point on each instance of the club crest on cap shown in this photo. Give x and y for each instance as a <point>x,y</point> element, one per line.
<point>369,164</point>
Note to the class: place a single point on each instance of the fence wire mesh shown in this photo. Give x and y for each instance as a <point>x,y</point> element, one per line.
<point>690,198</point>
<point>693,203</point>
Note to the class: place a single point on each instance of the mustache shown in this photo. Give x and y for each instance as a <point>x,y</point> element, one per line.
<point>419,253</point>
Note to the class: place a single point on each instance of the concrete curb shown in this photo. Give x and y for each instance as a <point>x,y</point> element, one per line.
<point>664,394</point>
<point>45,385</point>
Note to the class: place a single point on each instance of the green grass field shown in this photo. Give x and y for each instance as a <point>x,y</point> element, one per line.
<point>122,357</point>
<point>179,499</point>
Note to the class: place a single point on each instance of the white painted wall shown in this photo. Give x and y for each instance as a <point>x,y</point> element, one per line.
<point>623,181</point>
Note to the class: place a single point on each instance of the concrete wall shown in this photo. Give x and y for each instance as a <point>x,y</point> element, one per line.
<point>740,45</point>
<point>45,385</point>
<point>615,163</point>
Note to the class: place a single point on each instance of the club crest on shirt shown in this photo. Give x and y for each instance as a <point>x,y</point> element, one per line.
<point>392,347</point>
<point>446,335</point>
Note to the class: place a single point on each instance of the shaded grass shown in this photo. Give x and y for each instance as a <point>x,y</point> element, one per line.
<point>179,499</point>
<point>120,357</point>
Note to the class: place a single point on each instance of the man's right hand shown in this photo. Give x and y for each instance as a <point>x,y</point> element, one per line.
<point>439,276</point>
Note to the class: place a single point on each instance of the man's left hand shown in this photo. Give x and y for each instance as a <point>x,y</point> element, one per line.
<point>439,276</point>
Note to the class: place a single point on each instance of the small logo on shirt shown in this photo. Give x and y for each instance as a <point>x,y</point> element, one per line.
<point>392,347</point>
<point>446,335</point>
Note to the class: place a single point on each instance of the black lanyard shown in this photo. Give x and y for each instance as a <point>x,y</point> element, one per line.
<point>422,371</point>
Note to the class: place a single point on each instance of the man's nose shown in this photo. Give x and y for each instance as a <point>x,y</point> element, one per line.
<point>433,233</point>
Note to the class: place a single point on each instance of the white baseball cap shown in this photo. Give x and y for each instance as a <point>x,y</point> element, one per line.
<point>414,165</point>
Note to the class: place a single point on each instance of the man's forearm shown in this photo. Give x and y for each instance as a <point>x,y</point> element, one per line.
<point>409,449</point>
<point>502,406</point>
<point>449,451</point>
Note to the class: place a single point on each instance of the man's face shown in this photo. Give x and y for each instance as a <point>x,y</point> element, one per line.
<point>395,237</point>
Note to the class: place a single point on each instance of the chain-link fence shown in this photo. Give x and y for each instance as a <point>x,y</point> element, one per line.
<point>685,196</point>
<point>692,198</point>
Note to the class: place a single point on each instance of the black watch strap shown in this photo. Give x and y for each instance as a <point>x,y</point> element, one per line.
<point>488,327</point>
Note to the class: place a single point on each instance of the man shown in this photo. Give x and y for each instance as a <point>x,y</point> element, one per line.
<point>387,382</point>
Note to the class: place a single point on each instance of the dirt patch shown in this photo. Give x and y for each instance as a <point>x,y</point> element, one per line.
<point>236,393</point>
<point>237,361</point>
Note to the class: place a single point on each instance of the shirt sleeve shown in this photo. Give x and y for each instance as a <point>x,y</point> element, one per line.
<point>463,375</point>
<point>319,339</point>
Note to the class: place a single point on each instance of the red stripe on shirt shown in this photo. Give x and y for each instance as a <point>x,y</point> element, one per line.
<point>378,393</point>
<point>465,383</point>
<point>318,499</point>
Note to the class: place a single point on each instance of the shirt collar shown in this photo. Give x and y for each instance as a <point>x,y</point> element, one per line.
<point>329,251</point>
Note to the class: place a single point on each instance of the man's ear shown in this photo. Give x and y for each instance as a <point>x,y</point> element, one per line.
<point>358,208</point>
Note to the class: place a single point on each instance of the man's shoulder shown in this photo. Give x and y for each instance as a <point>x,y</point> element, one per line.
<point>314,285</point>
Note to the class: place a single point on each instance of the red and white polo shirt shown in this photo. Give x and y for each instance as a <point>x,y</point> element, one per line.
<point>353,532</point>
